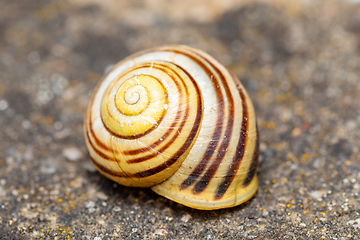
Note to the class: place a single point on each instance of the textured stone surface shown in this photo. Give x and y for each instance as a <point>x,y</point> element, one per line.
<point>299,60</point>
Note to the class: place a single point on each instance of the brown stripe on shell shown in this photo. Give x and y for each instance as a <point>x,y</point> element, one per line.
<point>101,154</point>
<point>181,151</point>
<point>89,113</point>
<point>156,169</point>
<point>176,120</point>
<point>183,121</point>
<point>254,163</point>
<point>132,137</point>
<point>109,171</point>
<point>170,130</point>
<point>137,135</point>
<point>90,129</point>
<point>98,142</point>
<point>147,157</point>
<point>120,76</point>
<point>173,159</point>
<point>240,149</point>
<point>218,129</point>
<point>189,140</point>
<point>204,181</point>
<point>159,168</point>
<point>209,174</point>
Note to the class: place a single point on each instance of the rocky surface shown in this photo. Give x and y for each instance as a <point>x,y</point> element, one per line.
<point>299,60</point>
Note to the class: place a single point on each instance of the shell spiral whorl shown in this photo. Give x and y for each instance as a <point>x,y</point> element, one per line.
<point>174,119</point>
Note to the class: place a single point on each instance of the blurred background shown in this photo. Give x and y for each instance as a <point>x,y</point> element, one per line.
<point>299,61</point>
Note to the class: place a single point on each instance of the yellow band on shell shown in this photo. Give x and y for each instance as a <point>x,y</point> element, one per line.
<point>134,106</point>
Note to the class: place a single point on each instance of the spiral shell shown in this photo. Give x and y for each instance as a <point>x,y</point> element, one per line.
<point>174,119</point>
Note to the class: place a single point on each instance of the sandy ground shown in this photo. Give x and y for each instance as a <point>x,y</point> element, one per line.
<point>299,61</point>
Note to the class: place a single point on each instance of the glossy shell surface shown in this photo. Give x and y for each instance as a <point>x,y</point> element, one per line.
<point>176,120</point>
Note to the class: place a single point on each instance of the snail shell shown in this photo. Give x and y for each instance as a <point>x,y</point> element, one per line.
<point>174,119</point>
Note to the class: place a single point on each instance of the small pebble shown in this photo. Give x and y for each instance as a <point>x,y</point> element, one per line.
<point>90,204</point>
<point>3,105</point>
<point>2,192</point>
<point>116,209</point>
<point>26,124</point>
<point>72,154</point>
<point>161,232</point>
<point>265,213</point>
<point>355,223</point>
<point>317,194</point>
<point>186,217</point>
<point>101,195</point>
<point>92,210</point>
<point>33,57</point>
